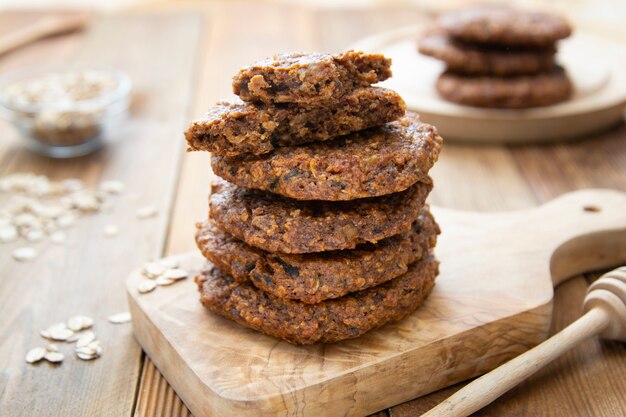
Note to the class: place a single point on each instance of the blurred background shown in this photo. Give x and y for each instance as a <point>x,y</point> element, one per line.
<point>606,15</point>
<point>180,57</point>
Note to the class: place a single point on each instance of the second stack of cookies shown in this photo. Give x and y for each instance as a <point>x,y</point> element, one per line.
<point>320,231</point>
<point>498,56</point>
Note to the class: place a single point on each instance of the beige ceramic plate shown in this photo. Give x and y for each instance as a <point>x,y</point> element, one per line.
<point>597,67</point>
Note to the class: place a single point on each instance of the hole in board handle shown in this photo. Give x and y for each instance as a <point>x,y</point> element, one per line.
<point>592,209</point>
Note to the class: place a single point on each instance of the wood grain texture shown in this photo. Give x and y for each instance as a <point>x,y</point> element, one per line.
<point>605,316</point>
<point>83,277</point>
<point>587,381</point>
<point>493,300</point>
<point>471,178</point>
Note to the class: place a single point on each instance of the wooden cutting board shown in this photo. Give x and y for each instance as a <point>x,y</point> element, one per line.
<point>492,301</point>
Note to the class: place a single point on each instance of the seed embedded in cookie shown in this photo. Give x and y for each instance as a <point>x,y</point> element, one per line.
<point>233,129</point>
<point>309,79</point>
<point>369,163</point>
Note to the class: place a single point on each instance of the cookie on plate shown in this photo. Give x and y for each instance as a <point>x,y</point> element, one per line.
<point>502,25</point>
<point>486,60</point>
<point>516,92</point>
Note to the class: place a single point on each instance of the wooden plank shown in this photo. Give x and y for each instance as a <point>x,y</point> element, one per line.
<point>598,161</point>
<point>86,275</point>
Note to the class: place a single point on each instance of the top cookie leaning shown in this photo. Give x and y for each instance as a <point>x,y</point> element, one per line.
<point>309,79</point>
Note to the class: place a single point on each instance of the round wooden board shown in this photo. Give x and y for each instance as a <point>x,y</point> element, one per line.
<point>596,65</point>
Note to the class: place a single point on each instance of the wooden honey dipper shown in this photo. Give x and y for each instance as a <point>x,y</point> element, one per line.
<point>605,315</point>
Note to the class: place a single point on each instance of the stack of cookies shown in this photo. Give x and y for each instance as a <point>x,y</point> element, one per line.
<point>320,231</point>
<point>499,57</point>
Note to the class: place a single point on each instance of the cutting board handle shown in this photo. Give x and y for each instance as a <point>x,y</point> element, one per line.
<point>585,229</point>
<point>575,233</point>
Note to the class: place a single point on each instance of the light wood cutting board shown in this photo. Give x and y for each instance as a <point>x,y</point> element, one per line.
<point>492,301</point>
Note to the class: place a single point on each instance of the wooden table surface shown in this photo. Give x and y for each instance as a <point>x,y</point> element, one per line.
<point>191,56</point>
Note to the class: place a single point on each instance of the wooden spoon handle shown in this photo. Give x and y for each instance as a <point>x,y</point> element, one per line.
<point>41,28</point>
<point>605,306</point>
<point>484,390</point>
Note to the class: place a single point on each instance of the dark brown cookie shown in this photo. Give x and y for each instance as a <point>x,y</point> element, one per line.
<point>277,224</point>
<point>480,60</point>
<point>501,25</point>
<point>370,163</point>
<point>232,129</point>
<point>518,92</point>
<point>315,277</point>
<point>309,79</point>
<point>327,322</point>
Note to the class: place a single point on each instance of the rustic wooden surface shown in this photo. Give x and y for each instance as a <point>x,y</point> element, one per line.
<point>492,301</point>
<point>587,381</point>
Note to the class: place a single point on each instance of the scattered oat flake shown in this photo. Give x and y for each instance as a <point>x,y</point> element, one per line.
<point>95,345</point>
<point>72,184</point>
<point>90,351</point>
<point>153,269</point>
<point>58,238</point>
<point>59,332</point>
<point>35,206</point>
<point>54,357</point>
<point>8,233</point>
<point>34,235</point>
<point>169,263</point>
<point>120,318</point>
<point>163,281</point>
<point>113,187</point>
<point>35,355</point>
<point>73,338</point>
<point>78,323</point>
<point>24,254</point>
<point>175,274</point>
<point>146,286</point>
<point>111,230</point>
<point>51,347</point>
<point>85,339</point>
<point>147,212</point>
<point>66,221</point>
<point>86,353</point>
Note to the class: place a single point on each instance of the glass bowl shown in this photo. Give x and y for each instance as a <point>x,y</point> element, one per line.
<point>65,112</point>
